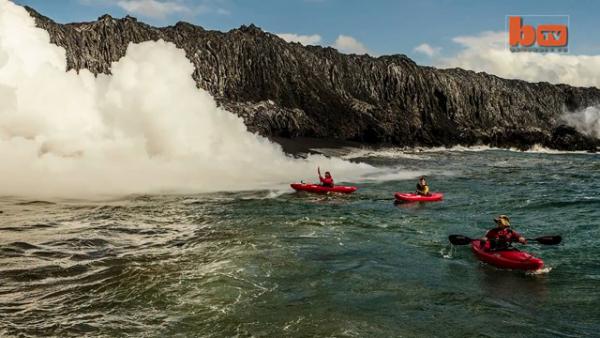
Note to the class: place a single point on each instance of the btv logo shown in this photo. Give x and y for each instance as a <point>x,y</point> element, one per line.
<point>541,33</point>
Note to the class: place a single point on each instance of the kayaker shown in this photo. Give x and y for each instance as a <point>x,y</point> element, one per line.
<point>326,181</point>
<point>501,237</point>
<point>422,187</point>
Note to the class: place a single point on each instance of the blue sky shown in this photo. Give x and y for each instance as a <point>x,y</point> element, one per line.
<point>383,27</point>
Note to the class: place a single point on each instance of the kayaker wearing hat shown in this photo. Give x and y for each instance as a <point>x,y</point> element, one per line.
<point>422,187</point>
<point>501,237</point>
<point>326,181</point>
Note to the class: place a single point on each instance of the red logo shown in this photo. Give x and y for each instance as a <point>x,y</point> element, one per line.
<point>543,38</point>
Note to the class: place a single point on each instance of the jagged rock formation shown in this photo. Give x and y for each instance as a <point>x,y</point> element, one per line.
<point>286,89</point>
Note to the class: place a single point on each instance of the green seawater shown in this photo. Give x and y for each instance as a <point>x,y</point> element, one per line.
<point>279,263</point>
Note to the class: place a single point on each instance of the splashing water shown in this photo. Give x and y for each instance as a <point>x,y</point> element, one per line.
<point>586,121</point>
<point>542,271</point>
<point>146,128</point>
<point>448,251</point>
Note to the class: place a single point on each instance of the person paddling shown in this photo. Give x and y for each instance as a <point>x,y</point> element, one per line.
<point>326,181</point>
<point>501,237</point>
<point>422,187</point>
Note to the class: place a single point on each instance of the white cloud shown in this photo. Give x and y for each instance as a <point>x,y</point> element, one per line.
<point>487,52</point>
<point>153,8</point>
<point>303,39</point>
<point>427,49</point>
<point>486,39</point>
<point>349,45</point>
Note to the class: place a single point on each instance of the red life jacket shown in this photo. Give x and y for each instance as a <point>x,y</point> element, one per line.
<point>500,238</point>
<point>327,182</point>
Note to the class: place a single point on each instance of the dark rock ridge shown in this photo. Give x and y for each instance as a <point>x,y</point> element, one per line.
<point>290,90</point>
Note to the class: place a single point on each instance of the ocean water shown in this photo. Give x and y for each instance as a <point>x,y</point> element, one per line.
<point>278,263</point>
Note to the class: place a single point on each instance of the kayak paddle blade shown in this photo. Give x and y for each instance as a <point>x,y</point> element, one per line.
<point>459,240</point>
<point>549,240</point>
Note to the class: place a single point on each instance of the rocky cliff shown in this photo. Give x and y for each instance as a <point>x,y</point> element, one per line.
<point>286,89</point>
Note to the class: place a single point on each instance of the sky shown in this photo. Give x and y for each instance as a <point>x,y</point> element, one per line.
<point>379,27</point>
<point>446,33</point>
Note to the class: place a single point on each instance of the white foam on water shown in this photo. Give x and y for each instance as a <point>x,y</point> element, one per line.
<point>538,149</point>
<point>427,153</point>
<point>392,153</point>
<point>397,174</point>
<point>542,271</point>
<point>448,251</point>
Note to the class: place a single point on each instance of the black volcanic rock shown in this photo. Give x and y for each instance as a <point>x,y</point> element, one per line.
<point>568,138</point>
<point>286,89</point>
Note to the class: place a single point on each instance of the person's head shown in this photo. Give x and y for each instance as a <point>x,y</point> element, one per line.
<point>502,221</point>
<point>327,174</point>
<point>422,180</point>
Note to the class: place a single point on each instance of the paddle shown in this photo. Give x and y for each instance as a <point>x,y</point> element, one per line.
<point>464,240</point>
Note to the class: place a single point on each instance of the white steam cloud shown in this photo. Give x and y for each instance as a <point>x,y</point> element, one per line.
<point>144,129</point>
<point>586,121</point>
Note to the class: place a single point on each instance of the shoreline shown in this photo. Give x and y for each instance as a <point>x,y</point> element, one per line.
<point>300,146</point>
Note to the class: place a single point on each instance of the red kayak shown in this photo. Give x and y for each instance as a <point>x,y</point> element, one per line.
<point>408,197</point>
<point>319,189</point>
<point>507,259</point>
